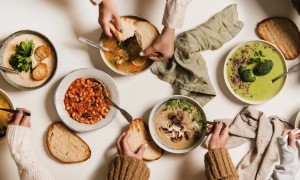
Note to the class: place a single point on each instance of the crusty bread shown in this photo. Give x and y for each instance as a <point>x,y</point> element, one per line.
<point>145,34</point>
<point>40,72</point>
<point>128,29</point>
<point>66,146</point>
<point>42,52</point>
<point>283,33</point>
<point>139,135</point>
<point>144,31</point>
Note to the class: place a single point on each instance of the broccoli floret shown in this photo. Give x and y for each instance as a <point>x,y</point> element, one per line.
<point>263,67</point>
<point>246,74</point>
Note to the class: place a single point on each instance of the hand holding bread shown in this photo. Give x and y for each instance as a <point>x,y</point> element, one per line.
<point>108,12</point>
<point>124,149</point>
<point>163,46</point>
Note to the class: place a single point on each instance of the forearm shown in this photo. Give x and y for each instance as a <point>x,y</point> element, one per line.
<point>218,165</point>
<point>126,167</point>
<point>29,167</point>
<point>174,13</point>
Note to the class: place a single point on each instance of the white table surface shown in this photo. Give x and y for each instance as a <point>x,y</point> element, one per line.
<point>63,21</point>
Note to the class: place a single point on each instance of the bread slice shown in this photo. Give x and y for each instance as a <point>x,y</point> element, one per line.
<point>42,52</point>
<point>128,29</point>
<point>283,33</point>
<point>66,146</point>
<point>139,135</point>
<point>40,72</point>
<point>145,34</point>
<point>144,31</point>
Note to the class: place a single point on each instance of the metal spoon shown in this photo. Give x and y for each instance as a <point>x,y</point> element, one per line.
<point>292,69</point>
<point>127,116</point>
<point>92,43</point>
<point>8,70</point>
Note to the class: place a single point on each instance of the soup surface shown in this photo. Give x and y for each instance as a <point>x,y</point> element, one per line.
<point>178,124</point>
<point>3,115</point>
<point>124,56</point>
<point>262,88</point>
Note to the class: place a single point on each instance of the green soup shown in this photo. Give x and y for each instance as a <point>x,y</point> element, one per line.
<point>262,89</point>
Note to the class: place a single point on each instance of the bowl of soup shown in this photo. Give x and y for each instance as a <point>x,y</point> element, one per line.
<point>6,103</point>
<point>124,56</point>
<point>249,69</point>
<point>176,124</point>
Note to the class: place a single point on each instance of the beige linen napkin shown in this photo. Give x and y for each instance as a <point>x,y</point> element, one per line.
<point>252,125</point>
<point>187,70</point>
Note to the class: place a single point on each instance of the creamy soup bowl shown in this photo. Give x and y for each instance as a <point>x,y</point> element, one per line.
<point>157,139</point>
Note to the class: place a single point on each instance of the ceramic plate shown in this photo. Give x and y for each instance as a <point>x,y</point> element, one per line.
<point>156,138</point>
<point>63,87</point>
<point>248,54</point>
<point>40,40</point>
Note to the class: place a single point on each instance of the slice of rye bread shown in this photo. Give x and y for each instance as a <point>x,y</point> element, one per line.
<point>283,33</point>
<point>66,146</point>
<point>128,29</point>
<point>139,135</point>
<point>145,34</point>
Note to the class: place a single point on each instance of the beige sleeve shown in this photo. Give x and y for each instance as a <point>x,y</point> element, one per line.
<point>96,2</point>
<point>29,167</point>
<point>174,13</point>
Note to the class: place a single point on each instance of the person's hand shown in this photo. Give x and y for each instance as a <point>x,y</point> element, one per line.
<point>292,137</point>
<point>220,135</point>
<point>163,46</point>
<point>124,149</point>
<point>108,12</point>
<point>19,119</point>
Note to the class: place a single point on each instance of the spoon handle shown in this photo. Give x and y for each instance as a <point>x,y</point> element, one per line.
<point>292,69</point>
<point>123,111</point>
<point>92,43</point>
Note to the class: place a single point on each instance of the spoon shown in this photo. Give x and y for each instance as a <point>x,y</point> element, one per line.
<point>292,69</point>
<point>8,70</point>
<point>127,116</point>
<point>92,43</point>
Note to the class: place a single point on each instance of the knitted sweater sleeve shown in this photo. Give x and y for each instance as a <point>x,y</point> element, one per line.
<point>29,167</point>
<point>218,165</point>
<point>127,168</point>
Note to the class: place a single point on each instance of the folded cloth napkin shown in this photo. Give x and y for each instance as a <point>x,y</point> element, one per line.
<point>252,125</point>
<point>187,70</point>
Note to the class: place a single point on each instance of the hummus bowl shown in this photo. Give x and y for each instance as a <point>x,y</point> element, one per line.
<point>176,124</point>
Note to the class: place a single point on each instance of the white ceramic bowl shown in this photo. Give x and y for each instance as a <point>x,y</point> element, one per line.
<point>63,87</point>
<point>112,67</point>
<point>156,138</point>
<point>4,94</point>
<point>225,71</point>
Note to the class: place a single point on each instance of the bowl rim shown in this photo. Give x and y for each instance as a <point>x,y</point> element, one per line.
<point>62,113</point>
<point>156,138</point>
<point>106,61</point>
<point>6,96</point>
<point>36,33</point>
<point>228,84</point>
